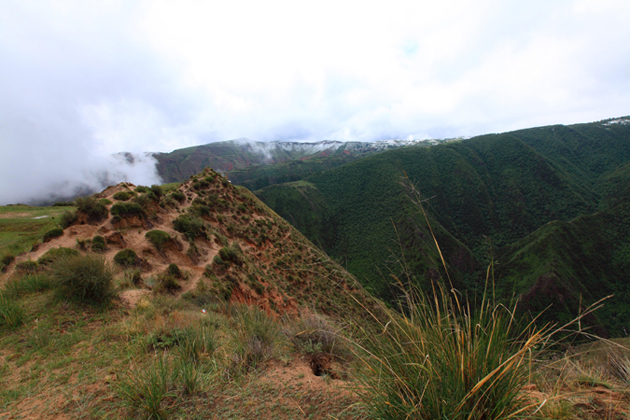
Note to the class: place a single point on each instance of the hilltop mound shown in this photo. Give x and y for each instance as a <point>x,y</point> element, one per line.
<point>226,244</point>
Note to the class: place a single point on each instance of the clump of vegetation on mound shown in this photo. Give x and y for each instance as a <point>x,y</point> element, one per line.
<point>157,238</point>
<point>126,209</point>
<point>84,279</point>
<point>174,270</point>
<point>98,244</point>
<point>94,210</point>
<point>191,227</point>
<point>67,218</point>
<point>55,254</point>
<point>178,195</point>
<point>126,258</point>
<point>123,195</point>
<point>53,233</point>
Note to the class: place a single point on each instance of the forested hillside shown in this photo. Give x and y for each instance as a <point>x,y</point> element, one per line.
<point>550,198</point>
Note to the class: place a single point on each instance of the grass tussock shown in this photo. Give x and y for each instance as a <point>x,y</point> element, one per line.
<point>84,279</point>
<point>442,359</point>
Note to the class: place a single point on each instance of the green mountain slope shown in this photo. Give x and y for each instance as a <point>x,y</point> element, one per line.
<point>486,193</point>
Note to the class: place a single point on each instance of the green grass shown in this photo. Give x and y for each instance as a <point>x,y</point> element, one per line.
<point>23,226</point>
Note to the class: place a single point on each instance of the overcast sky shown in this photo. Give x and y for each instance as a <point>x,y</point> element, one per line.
<point>80,80</point>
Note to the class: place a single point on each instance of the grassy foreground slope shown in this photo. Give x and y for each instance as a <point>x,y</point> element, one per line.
<point>485,193</point>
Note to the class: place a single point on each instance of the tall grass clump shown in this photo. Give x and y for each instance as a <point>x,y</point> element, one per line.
<point>146,390</point>
<point>255,335</point>
<point>11,313</point>
<point>441,357</point>
<point>85,279</point>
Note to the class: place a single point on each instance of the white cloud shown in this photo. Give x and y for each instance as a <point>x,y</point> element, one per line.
<point>81,80</point>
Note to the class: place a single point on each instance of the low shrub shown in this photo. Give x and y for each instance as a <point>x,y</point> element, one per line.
<point>123,195</point>
<point>231,254</point>
<point>200,184</point>
<point>141,189</point>
<point>178,195</point>
<point>126,258</point>
<point>166,284</point>
<point>191,227</point>
<point>53,233</point>
<point>174,270</point>
<point>67,218</point>
<point>126,209</point>
<point>158,238</point>
<point>98,244</point>
<point>63,204</point>
<point>157,191</point>
<point>94,210</point>
<point>85,279</point>
<point>55,254</point>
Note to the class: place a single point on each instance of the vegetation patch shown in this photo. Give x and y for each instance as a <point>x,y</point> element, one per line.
<point>126,257</point>
<point>55,254</point>
<point>126,209</point>
<point>157,238</point>
<point>98,244</point>
<point>92,209</point>
<point>123,195</point>
<point>84,279</point>
<point>191,227</point>
<point>53,233</point>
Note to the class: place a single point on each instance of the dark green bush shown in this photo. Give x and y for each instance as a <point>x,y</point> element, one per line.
<point>201,184</point>
<point>200,210</point>
<point>55,254</point>
<point>67,218</point>
<point>123,195</point>
<point>142,189</point>
<point>63,204</point>
<point>167,284</point>
<point>158,238</point>
<point>85,279</point>
<point>93,209</point>
<point>126,258</point>
<point>191,227</point>
<point>105,201</point>
<point>98,244</point>
<point>126,209</point>
<point>157,191</point>
<point>53,233</point>
<point>144,200</point>
<point>232,253</point>
<point>174,270</point>
<point>218,260</point>
<point>178,195</point>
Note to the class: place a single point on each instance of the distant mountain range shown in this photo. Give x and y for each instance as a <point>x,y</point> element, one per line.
<point>241,154</point>
<point>549,205</point>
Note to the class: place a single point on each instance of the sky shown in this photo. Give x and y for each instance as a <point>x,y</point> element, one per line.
<point>82,80</point>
